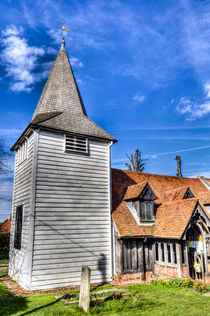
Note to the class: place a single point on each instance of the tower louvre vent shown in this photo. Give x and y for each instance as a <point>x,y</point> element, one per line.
<point>76,144</point>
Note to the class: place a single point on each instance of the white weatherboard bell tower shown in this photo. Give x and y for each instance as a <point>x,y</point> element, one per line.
<point>61,214</point>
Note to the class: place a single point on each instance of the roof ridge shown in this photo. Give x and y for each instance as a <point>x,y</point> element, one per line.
<point>137,184</point>
<point>179,201</point>
<point>177,189</point>
<point>155,174</point>
<point>46,116</point>
<point>77,88</point>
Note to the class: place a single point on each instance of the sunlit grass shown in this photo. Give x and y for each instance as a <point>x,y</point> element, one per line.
<point>4,256</point>
<point>144,300</point>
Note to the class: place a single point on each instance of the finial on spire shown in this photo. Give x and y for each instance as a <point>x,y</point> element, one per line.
<point>63,40</point>
<point>63,44</point>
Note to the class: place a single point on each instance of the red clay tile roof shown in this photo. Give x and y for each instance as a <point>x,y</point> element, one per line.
<point>126,225</point>
<point>204,197</point>
<point>5,227</point>
<point>134,191</point>
<point>176,194</point>
<point>171,218</point>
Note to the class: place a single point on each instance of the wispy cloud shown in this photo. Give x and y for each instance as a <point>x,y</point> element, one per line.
<point>154,156</point>
<point>139,98</point>
<point>196,31</point>
<point>97,24</point>
<point>193,109</point>
<point>160,128</point>
<point>158,40</point>
<point>168,137</point>
<point>6,132</point>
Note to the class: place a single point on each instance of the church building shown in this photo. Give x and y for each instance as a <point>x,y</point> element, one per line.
<point>70,209</point>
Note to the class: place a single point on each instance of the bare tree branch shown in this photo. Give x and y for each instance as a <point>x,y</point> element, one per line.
<point>137,163</point>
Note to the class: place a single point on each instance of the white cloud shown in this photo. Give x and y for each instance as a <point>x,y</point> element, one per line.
<point>139,98</point>
<point>19,58</point>
<point>51,50</point>
<point>154,156</point>
<point>22,61</point>
<point>192,109</point>
<point>207,89</point>
<point>76,62</point>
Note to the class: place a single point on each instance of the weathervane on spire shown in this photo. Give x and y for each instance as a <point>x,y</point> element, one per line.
<point>64,28</point>
<point>63,41</point>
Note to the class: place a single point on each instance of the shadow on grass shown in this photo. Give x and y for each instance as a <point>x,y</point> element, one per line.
<point>10,304</point>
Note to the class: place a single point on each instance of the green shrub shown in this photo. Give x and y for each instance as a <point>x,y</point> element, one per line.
<point>4,241</point>
<point>201,287</point>
<point>159,282</point>
<point>176,282</point>
<point>154,282</point>
<point>189,283</point>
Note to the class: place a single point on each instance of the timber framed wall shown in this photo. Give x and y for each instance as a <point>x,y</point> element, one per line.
<point>134,255</point>
<point>171,258</point>
<point>72,214</point>
<point>139,259</point>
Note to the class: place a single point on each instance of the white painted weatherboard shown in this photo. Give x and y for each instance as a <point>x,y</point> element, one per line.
<point>18,259</point>
<point>72,214</point>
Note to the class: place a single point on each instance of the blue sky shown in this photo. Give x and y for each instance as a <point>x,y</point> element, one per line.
<point>143,69</point>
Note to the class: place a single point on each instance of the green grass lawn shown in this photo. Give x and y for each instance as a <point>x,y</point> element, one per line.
<point>4,256</point>
<point>145,300</point>
<point>3,271</point>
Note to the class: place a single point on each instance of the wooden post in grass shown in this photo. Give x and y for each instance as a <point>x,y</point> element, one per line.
<point>84,295</point>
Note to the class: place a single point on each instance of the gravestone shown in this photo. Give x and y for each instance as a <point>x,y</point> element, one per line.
<point>84,295</point>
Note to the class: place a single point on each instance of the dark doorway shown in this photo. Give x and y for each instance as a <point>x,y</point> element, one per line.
<point>195,253</point>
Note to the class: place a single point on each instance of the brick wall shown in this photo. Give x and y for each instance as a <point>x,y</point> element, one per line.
<point>166,271</point>
<point>126,279</point>
<point>160,271</point>
<point>185,272</point>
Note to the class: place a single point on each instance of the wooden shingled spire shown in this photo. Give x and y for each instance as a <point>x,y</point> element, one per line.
<point>60,106</point>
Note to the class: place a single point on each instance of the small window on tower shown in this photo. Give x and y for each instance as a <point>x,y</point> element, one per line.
<point>77,144</point>
<point>22,151</point>
<point>18,227</point>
